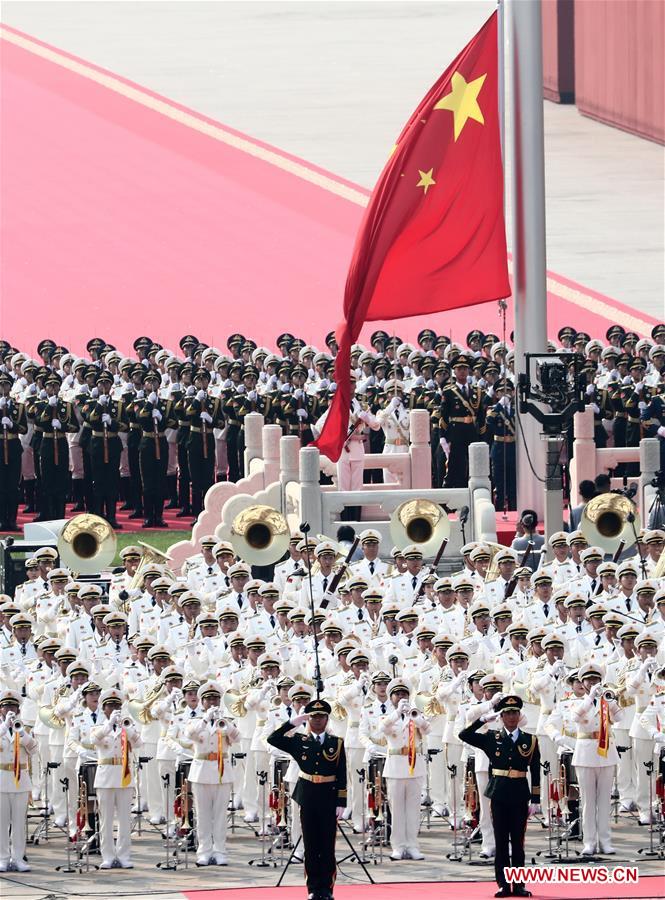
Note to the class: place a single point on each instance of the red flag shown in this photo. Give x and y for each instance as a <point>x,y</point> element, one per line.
<point>433,235</point>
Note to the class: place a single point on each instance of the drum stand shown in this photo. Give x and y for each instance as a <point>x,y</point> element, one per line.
<point>232,808</point>
<point>362,777</point>
<point>137,823</point>
<point>263,863</point>
<point>42,828</point>
<point>454,855</point>
<point>168,862</point>
<point>78,865</point>
<point>427,804</point>
<point>651,851</point>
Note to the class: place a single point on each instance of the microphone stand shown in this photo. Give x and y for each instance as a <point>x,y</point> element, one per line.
<point>305,528</point>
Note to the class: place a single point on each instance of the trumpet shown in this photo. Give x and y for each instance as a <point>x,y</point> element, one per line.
<point>15,724</point>
<point>127,721</point>
<point>609,695</point>
<point>414,712</point>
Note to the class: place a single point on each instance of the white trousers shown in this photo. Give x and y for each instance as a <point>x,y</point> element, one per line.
<point>239,768</point>
<point>452,754</point>
<point>257,761</point>
<point>39,767</point>
<point>115,802</point>
<point>210,806</point>
<point>388,450</point>
<point>68,770</point>
<point>404,799</point>
<point>485,817</point>
<point>437,773</point>
<point>626,769</point>
<point>13,811</point>
<point>354,761</point>
<point>350,467</point>
<point>595,796</point>
<point>55,789</point>
<point>166,767</point>
<point>294,823</point>
<point>548,753</point>
<point>642,753</point>
<point>151,787</point>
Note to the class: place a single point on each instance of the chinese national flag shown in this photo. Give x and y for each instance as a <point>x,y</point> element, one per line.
<point>433,235</point>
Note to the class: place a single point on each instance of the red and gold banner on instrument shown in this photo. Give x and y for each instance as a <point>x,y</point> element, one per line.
<point>16,760</point>
<point>411,745</point>
<point>604,730</point>
<point>433,234</point>
<point>126,772</point>
<point>220,755</point>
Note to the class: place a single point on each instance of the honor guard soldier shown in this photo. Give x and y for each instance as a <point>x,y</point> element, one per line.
<point>106,419</point>
<point>203,414</point>
<point>16,747</point>
<point>115,740</point>
<point>512,754</point>
<point>14,424</point>
<point>320,791</point>
<point>462,422</point>
<point>501,427</point>
<point>153,416</point>
<point>55,419</point>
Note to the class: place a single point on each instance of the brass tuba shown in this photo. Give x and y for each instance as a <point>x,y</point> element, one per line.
<point>149,556</point>
<point>608,520</point>
<point>260,535</point>
<point>419,522</point>
<point>87,544</point>
<point>140,709</point>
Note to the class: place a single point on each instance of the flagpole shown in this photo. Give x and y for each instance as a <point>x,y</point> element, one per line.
<point>526,148</point>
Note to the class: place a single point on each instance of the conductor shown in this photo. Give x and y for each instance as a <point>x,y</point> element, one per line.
<point>512,754</point>
<point>320,791</point>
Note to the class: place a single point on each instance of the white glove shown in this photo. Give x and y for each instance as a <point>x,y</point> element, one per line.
<point>639,386</point>
<point>152,397</point>
<point>430,385</point>
<point>57,424</point>
<point>403,706</point>
<point>595,408</point>
<point>140,395</point>
<point>420,380</point>
<point>641,406</point>
<point>157,415</point>
<point>364,416</point>
<point>104,399</point>
<point>206,417</point>
<point>558,665</point>
<point>252,395</point>
<point>263,377</point>
<point>394,403</point>
<point>490,717</point>
<point>311,373</point>
<point>590,389</point>
<point>324,383</point>
<point>7,422</point>
<point>201,395</point>
<point>32,390</point>
<point>497,698</point>
<point>42,394</point>
<point>333,386</point>
<point>661,431</point>
<point>53,401</point>
<point>445,446</point>
<point>114,718</point>
<point>594,693</point>
<point>94,393</point>
<point>176,386</point>
<point>3,402</point>
<point>191,390</point>
<point>504,401</point>
<point>301,413</point>
<point>285,389</point>
<point>127,389</point>
<point>240,389</point>
<point>106,419</point>
<point>534,809</point>
<point>272,381</point>
<point>298,393</point>
<point>299,720</point>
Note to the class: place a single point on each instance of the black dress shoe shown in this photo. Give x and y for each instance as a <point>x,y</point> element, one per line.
<point>137,514</point>
<point>148,523</point>
<point>503,892</point>
<point>184,513</point>
<point>519,891</point>
<point>161,524</point>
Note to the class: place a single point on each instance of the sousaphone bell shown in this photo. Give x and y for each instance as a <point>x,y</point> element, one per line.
<point>260,535</point>
<point>87,544</point>
<point>609,519</point>
<point>420,522</point>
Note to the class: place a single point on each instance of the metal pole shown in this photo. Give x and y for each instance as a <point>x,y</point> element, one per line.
<point>525,147</point>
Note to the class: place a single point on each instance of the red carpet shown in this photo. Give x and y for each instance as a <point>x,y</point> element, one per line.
<point>124,213</point>
<point>128,525</point>
<point>647,888</point>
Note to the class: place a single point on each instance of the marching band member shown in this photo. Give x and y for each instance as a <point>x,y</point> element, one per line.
<point>594,759</point>
<point>404,727</point>
<point>211,774</point>
<point>115,739</point>
<point>16,747</point>
<point>641,685</point>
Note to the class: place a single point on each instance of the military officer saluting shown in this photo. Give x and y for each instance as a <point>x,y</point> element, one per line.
<point>320,791</point>
<point>512,754</point>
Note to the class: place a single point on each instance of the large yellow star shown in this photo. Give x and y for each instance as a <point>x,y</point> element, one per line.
<point>426,180</point>
<point>462,101</point>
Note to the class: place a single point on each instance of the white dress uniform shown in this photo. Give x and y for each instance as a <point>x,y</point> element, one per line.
<point>14,797</point>
<point>548,686</point>
<point>404,787</point>
<point>113,799</point>
<point>374,571</point>
<point>451,695</point>
<point>394,420</point>
<point>595,773</point>
<point>430,680</point>
<point>641,686</point>
<point>481,768</point>
<point>211,789</point>
<point>352,697</point>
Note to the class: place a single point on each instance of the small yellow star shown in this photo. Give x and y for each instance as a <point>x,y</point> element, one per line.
<point>426,180</point>
<point>462,101</point>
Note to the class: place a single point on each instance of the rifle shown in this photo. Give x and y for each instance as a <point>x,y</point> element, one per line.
<point>433,567</point>
<point>334,584</point>
<point>512,584</point>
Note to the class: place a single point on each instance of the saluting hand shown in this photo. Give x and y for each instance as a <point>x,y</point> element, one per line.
<point>299,720</point>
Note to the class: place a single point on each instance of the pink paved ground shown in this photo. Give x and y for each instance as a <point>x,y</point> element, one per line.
<point>118,220</point>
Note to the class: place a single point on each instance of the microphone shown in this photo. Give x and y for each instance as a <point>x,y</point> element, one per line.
<point>464,515</point>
